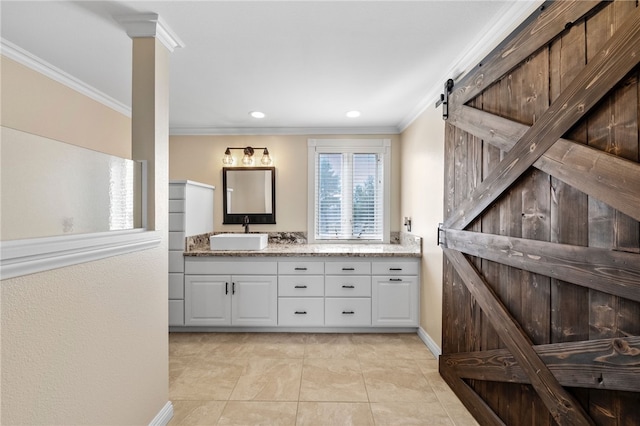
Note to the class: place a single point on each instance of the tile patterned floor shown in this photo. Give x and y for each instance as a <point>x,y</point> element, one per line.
<point>308,379</point>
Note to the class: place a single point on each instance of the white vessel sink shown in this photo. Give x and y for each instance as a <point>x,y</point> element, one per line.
<point>238,241</point>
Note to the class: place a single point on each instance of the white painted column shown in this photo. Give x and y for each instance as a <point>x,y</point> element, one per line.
<point>153,41</point>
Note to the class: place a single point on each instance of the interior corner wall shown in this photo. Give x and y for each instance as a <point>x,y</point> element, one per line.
<point>37,104</point>
<point>199,158</point>
<point>422,183</point>
<point>85,344</point>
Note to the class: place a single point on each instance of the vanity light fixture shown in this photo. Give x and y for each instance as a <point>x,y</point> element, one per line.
<point>247,158</point>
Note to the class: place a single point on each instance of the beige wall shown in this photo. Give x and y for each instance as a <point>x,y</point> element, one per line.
<point>199,158</point>
<point>31,102</point>
<point>85,344</point>
<point>422,177</point>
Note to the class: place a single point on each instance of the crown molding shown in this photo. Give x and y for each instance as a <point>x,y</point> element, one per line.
<point>21,56</point>
<point>513,15</point>
<point>150,25</point>
<point>270,131</point>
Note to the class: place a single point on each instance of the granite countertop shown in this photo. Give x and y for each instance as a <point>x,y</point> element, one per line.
<point>408,246</point>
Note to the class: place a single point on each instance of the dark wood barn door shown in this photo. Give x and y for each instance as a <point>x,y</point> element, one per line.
<point>541,315</point>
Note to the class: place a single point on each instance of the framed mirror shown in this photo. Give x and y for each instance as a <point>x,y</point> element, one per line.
<point>249,191</point>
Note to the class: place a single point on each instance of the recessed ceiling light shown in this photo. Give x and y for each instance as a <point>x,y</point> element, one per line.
<point>257,114</point>
<point>353,114</point>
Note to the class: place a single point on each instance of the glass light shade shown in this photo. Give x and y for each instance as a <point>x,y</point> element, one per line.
<point>266,159</point>
<point>247,160</point>
<point>227,160</point>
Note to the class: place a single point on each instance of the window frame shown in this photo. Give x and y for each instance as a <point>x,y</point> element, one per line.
<point>341,146</point>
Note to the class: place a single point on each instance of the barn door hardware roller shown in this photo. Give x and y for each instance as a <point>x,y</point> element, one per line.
<point>444,99</point>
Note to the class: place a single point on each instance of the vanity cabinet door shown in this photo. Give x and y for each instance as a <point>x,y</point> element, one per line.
<point>395,301</point>
<point>254,300</point>
<point>207,300</point>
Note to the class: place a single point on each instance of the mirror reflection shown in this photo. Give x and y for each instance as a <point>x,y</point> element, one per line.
<point>249,192</point>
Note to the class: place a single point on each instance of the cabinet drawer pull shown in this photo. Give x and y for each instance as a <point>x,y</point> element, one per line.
<point>348,286</point>
<point>300,286</point>
<point>233,288</point>
<point>348,312</point>
<point>395,269</point>
<point>226,288</point>
<point>348,269</point>
<point>300,269</point>
<point>301,312</point>
<point>395,279</point>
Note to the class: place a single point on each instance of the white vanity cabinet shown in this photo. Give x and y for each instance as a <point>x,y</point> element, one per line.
<point>230,292</point>
<point>301,293</point>
<point>190,213</point>
<point>395,293</point>
<point>356,293</point>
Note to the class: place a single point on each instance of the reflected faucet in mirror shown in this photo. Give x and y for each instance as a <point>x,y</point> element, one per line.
<point>245,223</point>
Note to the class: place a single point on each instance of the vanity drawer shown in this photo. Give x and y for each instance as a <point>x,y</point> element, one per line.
<point>347,312</point>
<point>176,261</point>
<point>301,268</point>
<point>301,312</point>
<point>176,286</point>
<point>301,286</point>
<point>348,268</point>
<point>176,191</point>
<point>207,266</point>
<point>176,241</point>
<point>176,221</point>
<point>395,268</point>
<point>348,286</point>
<point>176,312</point>
<point>176,206</point>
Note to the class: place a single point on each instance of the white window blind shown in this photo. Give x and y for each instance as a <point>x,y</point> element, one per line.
<point>349,196</point>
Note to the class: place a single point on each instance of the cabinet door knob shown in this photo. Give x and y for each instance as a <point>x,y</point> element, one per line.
<point>348,312</point>
<point>348,286</point>
<point>300,269</point>
<point>300,286</point>
<point>226,288</point>
<point>301,312</point>
<point>233,288</point>
<point>395,269</point>
<point>395,279</point>
<point>348,269</point>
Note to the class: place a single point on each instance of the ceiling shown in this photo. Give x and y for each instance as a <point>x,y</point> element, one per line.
<point>303,63</point>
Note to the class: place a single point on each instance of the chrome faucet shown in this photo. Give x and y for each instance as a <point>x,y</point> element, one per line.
<point>245,224</point>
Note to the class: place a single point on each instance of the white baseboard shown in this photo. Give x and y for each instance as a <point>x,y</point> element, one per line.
<point>431,344</point>
<point>164,416</point>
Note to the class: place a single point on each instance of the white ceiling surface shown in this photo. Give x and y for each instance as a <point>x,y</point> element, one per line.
<point>303,63</point>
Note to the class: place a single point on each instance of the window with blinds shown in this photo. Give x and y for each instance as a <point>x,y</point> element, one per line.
<point>349,194</point>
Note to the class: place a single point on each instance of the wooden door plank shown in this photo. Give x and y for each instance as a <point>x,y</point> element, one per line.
<point>607,177</point>
<point>611,127</point>
<point>614,272</point>
<point>524,42</point>
<point>570,303</point>
<point>616,59</point>
<point>489,339</point>
<point>560,403</point>
<point>530,88</point>
<point>612,364</point>
<point>449,330</point>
